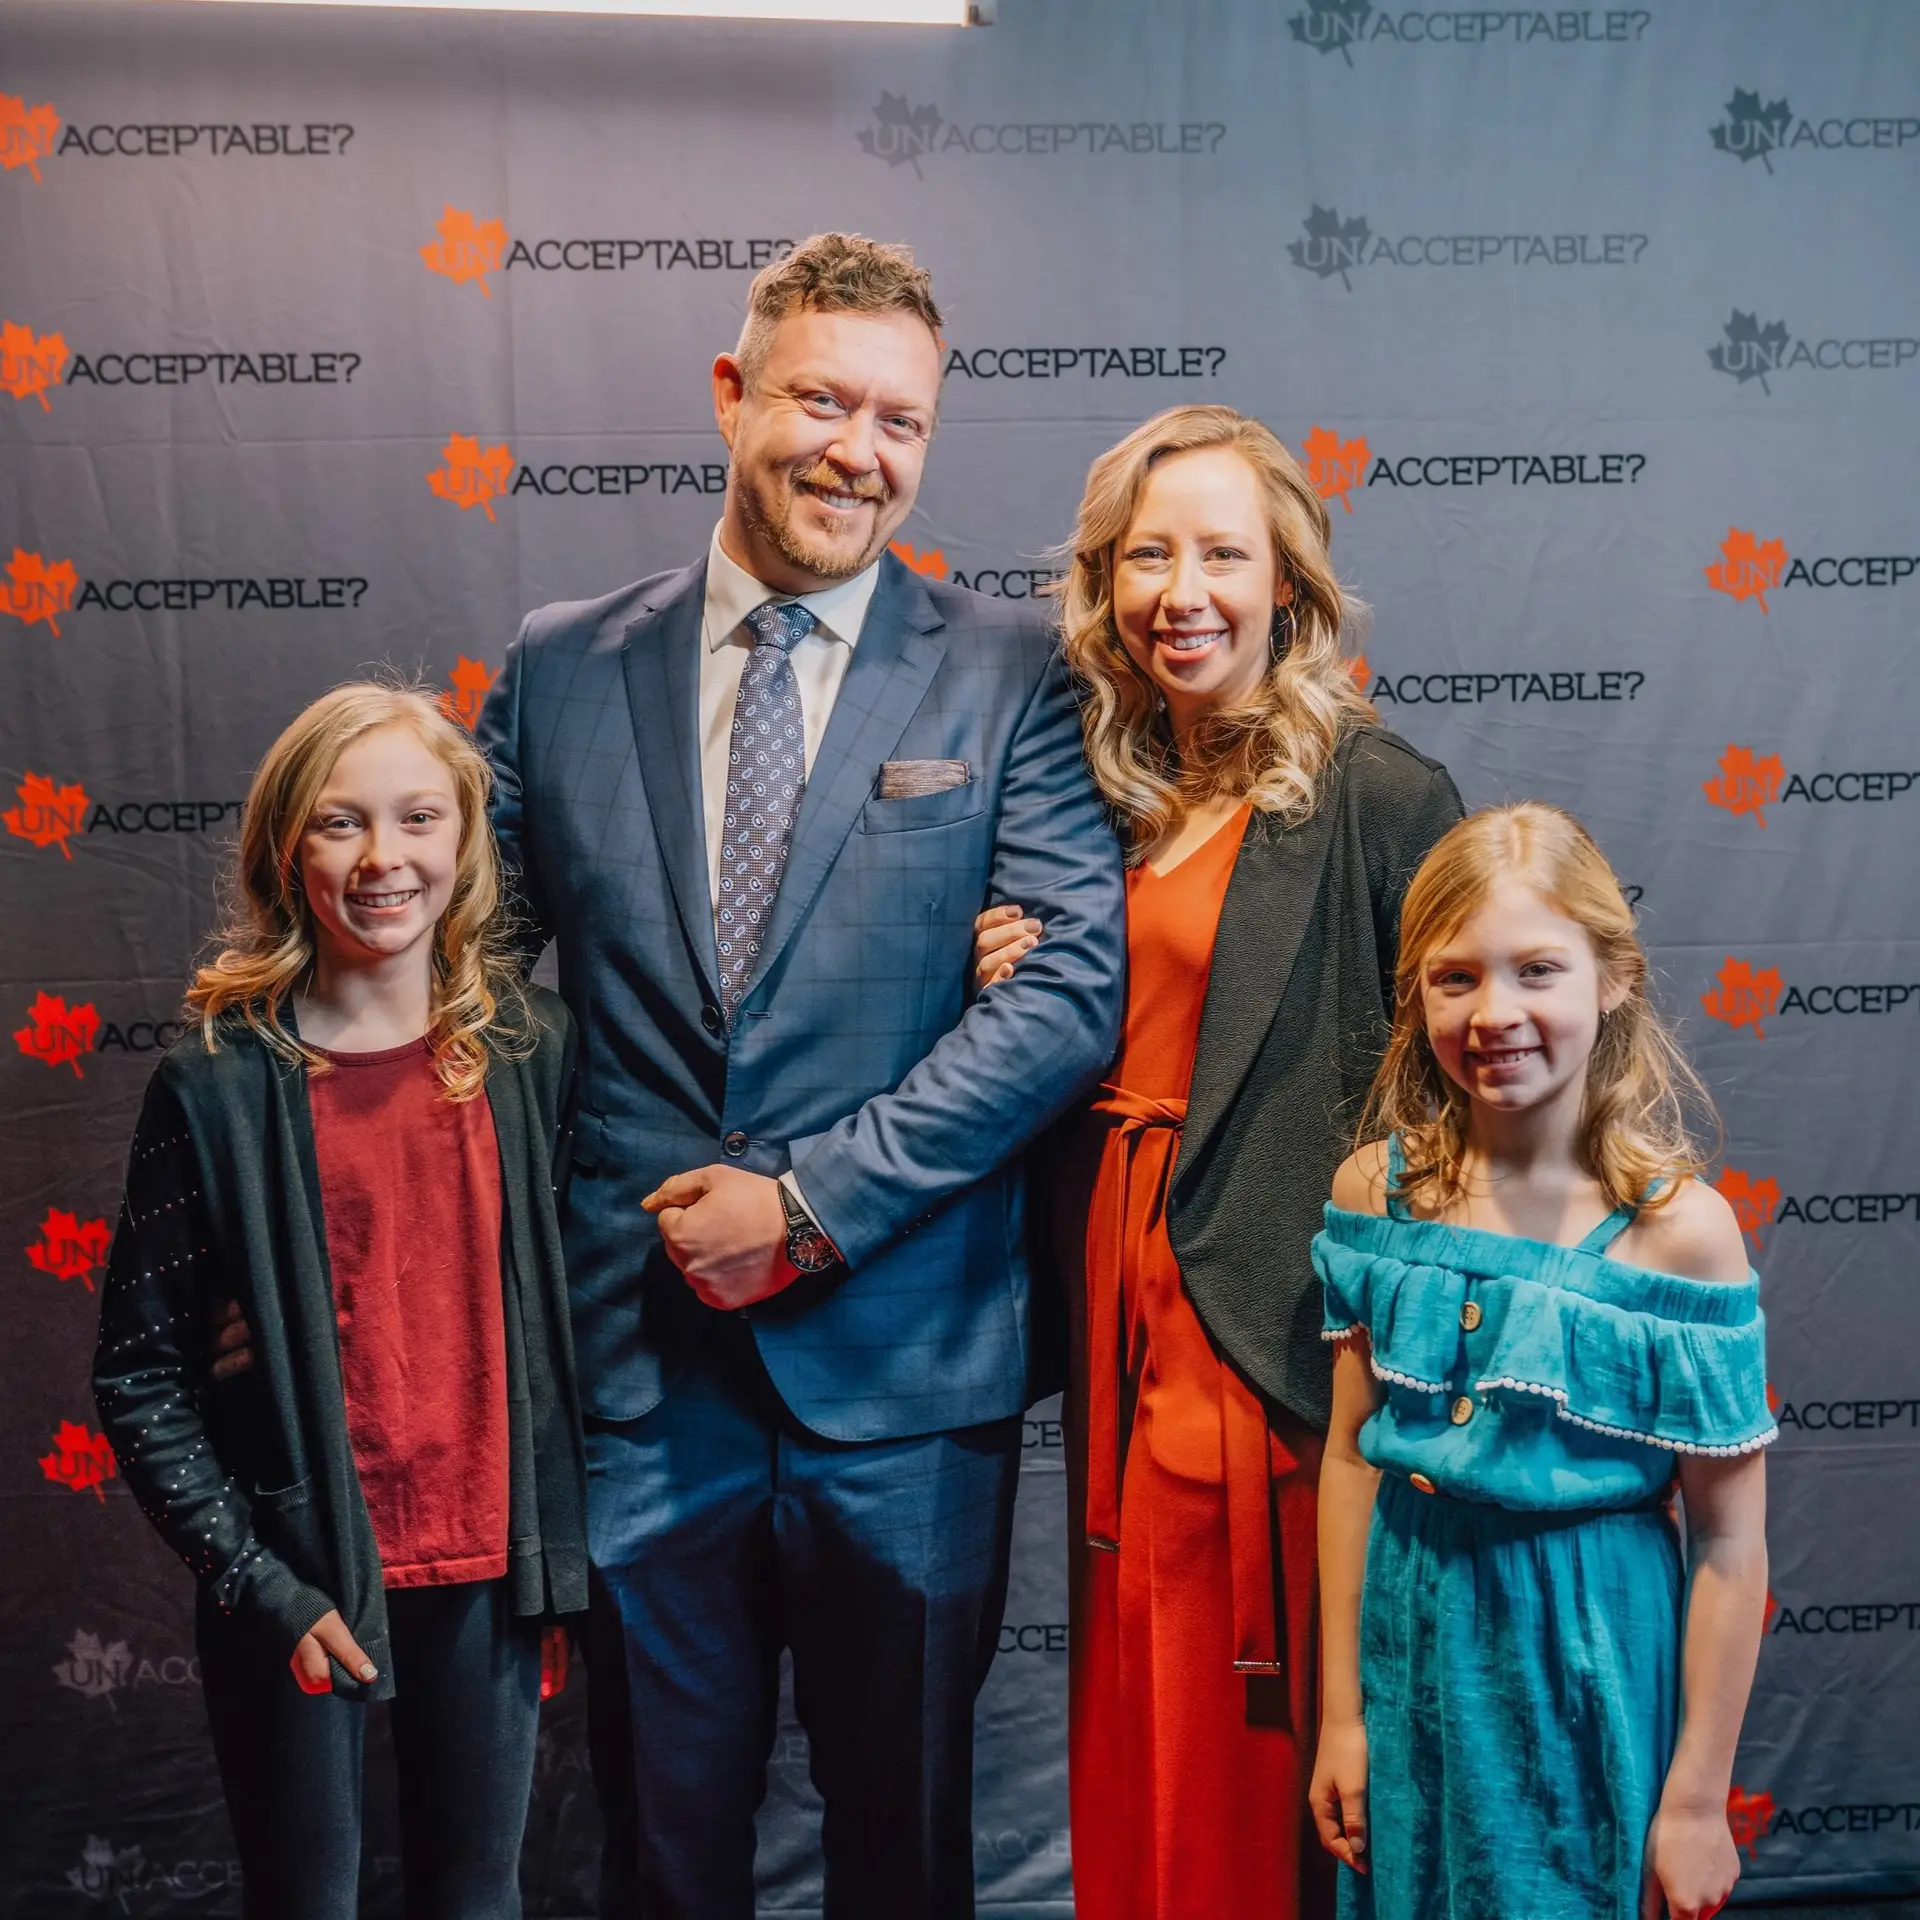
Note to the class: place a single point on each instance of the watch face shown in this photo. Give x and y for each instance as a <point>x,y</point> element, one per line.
<point>810,1250</point>
<point>807,1247</point>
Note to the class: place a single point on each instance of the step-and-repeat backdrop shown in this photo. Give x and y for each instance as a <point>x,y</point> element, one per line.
<point>336,338</point>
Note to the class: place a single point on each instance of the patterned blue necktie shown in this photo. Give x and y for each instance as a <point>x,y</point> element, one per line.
<point>766,774</point>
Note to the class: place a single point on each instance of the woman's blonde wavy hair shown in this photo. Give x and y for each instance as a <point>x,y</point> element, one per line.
<point>1635,1120</point>
<point>1271,748</point>
<point>269,937</point>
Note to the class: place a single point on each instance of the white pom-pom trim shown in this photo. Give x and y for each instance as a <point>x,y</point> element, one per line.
<point>1407,1379</point>
<point>1509,1385</point>
<point>1380,1372</point>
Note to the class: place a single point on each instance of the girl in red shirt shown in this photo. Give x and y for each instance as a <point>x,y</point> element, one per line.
<point>378,1482</point>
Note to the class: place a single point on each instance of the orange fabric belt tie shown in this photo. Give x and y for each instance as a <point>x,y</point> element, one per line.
<point>1128,1234</point>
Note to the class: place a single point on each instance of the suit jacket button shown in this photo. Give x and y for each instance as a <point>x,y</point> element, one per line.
<point>734,1145</point>
<point>710,1019</point>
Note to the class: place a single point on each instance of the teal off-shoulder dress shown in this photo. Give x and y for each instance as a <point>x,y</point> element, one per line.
<point>1520,1626</point>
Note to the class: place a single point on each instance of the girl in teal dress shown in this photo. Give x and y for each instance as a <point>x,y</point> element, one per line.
<point>1542,1319</point>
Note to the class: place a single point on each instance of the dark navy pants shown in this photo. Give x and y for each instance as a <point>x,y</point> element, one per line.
<point>466,1714</point>
<point>721,1532</point>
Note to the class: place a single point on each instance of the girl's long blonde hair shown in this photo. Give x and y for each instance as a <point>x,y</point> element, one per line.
<point>269,937</point>
<point>1634,1121</point>
<point>1272,747</point>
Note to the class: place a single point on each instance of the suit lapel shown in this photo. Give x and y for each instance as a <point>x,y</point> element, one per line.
<point>661,655</point>
<point>1275,883</point>
<point>892,666</point>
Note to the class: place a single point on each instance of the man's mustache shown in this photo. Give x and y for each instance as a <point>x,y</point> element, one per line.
<point>829,479</point>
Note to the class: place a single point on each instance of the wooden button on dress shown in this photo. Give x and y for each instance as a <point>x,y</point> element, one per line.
<point>1419,1482</point>
<point>1462,1411</point>
<point>1470,1315</point>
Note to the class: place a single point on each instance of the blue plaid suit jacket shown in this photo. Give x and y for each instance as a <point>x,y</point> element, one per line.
<point>856,1057</point>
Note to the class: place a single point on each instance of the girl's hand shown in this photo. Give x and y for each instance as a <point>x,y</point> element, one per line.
<point>556,1655</point>
<point>1338,1795</point>
<point>328,1635</point>
<point>1000,937</point>
<point>1692,1864</point>
<point>232,1346</point>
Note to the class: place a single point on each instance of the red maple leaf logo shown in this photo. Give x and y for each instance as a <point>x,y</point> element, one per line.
<point>1773,1398</point>
<point>57,1033</point>
<point>1749,1816</point>
<point>47,814</point>
<point>69,1248</point>
<point>1335,466</point>
<point>1754,1203</point>
<point>470,683</point>
<point>473,476</point>
<point>38,589</point>
<point>26,133</point>
<point>932,562</point>
<point>1358,670</point>
<point>1746,783</point>
<point>1745,996</point>
<point>1748,569</point>
<point>79,1459</point>
<point>468,249</point>
<point>29,365</point>
<point>1773,1607</point>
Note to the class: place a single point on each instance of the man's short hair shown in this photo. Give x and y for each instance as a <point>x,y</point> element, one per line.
<point>832,273</point>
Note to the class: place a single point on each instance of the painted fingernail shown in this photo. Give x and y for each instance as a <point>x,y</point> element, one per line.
<point>367,1672</point>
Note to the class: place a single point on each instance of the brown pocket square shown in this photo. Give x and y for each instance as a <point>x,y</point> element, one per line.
<point>909,779</point>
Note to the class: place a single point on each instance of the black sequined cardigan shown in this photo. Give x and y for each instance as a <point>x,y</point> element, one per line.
<point>251,1481</point>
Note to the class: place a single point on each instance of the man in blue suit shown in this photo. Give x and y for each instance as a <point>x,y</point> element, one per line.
<point>757,804</point>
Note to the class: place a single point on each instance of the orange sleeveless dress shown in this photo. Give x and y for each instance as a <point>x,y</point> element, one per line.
<point>1194,1679</point>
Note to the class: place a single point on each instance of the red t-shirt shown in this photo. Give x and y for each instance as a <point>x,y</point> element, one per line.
<point>410,1182</point>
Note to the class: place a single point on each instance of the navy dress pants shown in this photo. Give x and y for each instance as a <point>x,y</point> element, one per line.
<point>722,1531</point>
<point>466,1714</point>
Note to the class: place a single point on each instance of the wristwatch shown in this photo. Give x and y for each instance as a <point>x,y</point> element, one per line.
<point>807,1247</point>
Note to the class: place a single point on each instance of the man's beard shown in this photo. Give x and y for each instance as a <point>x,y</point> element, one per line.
<point>774,526</point>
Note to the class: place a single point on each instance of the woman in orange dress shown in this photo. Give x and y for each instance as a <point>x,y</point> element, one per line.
<point>1272,828</point>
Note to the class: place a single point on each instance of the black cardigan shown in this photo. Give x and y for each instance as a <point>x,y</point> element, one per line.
<point>251,1480</point>
<point>1297,1012</point>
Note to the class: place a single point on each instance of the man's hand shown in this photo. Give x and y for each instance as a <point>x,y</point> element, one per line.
<point>726,1230</point>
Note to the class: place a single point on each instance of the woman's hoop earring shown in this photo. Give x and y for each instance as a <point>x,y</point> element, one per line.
<point>1282,634</point>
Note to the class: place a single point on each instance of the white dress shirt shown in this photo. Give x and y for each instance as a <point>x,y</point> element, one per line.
<point>820,663</point>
